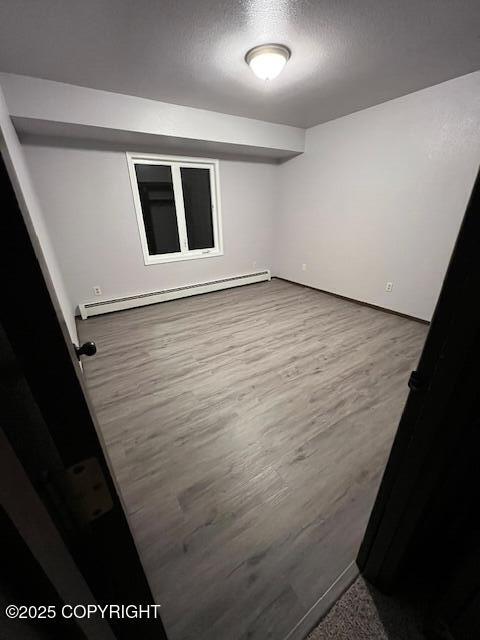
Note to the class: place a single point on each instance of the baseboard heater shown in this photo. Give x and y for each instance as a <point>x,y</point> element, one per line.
<point>141,299</point>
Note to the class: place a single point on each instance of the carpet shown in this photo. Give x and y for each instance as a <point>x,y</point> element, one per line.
<point>363,613</point>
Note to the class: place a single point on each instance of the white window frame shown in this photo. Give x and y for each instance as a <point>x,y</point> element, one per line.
<point>176,163</point>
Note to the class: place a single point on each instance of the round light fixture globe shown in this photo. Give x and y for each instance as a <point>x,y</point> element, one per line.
<point>267,60</point>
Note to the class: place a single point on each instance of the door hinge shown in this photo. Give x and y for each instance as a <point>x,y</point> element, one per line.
<point>416,382</point>
<point>81,492</point>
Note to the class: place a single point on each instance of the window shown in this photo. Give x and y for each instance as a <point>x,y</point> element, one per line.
<point>176,202</point>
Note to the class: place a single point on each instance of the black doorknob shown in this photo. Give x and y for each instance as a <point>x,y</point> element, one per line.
<point>87,349</point>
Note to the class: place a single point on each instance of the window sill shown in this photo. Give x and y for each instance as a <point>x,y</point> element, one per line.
<point>149,260</point>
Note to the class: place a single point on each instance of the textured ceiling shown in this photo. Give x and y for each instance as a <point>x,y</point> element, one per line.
<point>346,54</point>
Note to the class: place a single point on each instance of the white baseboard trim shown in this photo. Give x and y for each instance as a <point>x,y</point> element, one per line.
<point>97,307</point>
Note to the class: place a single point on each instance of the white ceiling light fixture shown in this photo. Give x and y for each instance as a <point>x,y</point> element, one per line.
<point>268,60</point>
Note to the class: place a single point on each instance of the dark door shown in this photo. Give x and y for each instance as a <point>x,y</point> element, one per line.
<point>56,437</point>
<point>38,575</point>
<point>425,520</point>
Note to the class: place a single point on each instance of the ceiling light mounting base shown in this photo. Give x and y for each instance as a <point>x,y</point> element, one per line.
<point>268,60</point>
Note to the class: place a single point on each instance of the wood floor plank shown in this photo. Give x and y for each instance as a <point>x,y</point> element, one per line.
<point>248,430</point>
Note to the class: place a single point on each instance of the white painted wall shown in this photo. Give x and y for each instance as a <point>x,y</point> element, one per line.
<point>45,101</point>
<point>88,204</point>
<point>15,161</point>
<point>379,196</point>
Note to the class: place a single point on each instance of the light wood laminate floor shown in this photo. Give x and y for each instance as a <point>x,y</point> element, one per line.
<point>248,430</point>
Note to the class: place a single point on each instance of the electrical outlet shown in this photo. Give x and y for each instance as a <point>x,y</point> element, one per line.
<point>97,291</point>
<point>304,267</point>
<point>389,286</point>
<point>254,264</point>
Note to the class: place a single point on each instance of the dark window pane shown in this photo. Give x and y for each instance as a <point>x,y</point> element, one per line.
<point>158,208</point>
<point>198,207</point>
